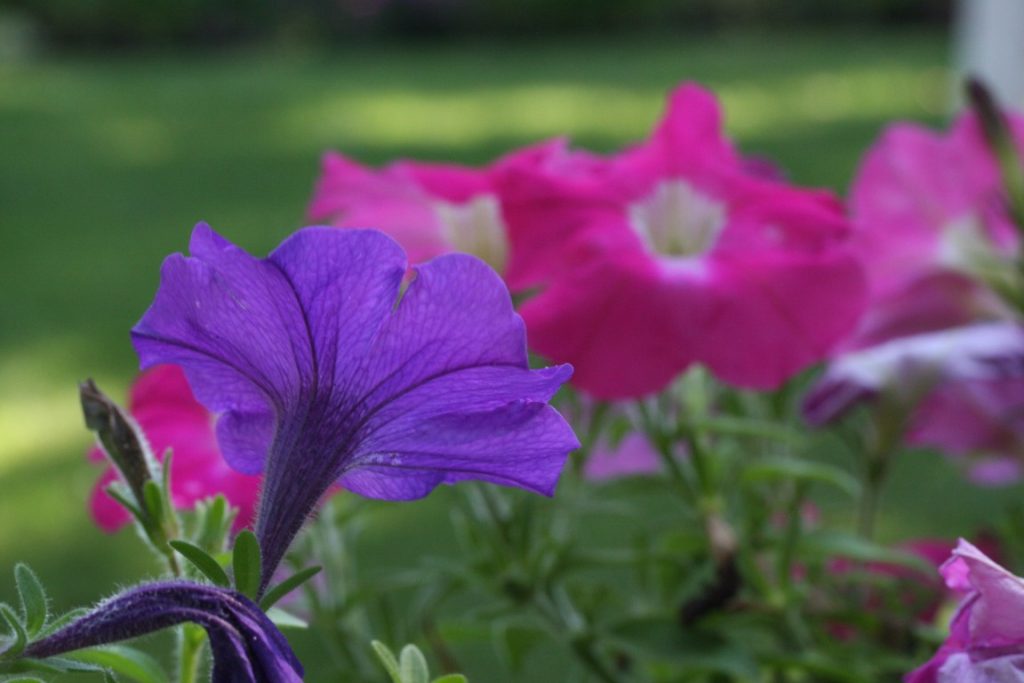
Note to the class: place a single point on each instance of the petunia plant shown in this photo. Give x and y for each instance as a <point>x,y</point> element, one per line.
<point>326,362</point>
<point>636,336</point>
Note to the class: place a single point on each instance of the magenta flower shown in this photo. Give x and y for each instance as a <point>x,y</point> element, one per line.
<point>925,202</point>
<point>324,370</point>
<point>246,646</point>
<point>171,418</point>
<point>986,639</point>
<point>430,208</point>
<point>675,253</point>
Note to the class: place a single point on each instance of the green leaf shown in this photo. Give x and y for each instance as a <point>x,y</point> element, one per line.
<point>23,679</point>
<point>168,513</point>
<point>387,658</point>
<point>50,665</point>
<point>154,500</point>
<point>287,586</point>
<point>208,566</point>
<point>125,661</point>
<point>246,564</point>
<point>773,469</point>
<point>413,665</point>
<point>284,619</point>
<point>16,645</point>
<point>215,518</point>
<point>514,641</point>
<point>451,678</point>
<point>830,544</point>
<point>119,492</point>
<point>34,606</point>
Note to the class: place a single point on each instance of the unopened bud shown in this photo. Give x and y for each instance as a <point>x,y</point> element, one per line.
<point>120,438</point>
<point>1000,140</point>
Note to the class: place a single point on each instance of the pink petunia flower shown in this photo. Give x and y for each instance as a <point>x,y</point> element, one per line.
<point>162,403</point>
<point>632,456</point>
<point>932,226</point>
<point>429,209</point>
<point>675,252</point>
<point>924,202</point>
<point>986,639</point>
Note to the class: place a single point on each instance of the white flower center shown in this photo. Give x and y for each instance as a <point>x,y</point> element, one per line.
<point>965,246</point>
<point>677,220</point>
<point>475,227</point>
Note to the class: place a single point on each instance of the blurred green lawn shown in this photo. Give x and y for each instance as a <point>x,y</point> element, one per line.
<point>106,163</point>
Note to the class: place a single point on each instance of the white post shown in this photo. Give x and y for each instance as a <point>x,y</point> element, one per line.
<point>990,45</point>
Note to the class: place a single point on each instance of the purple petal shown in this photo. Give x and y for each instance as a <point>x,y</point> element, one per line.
<point>246,646</point>
<point>325,374</point>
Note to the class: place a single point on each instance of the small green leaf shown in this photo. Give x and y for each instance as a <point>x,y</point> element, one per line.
<point>50,665</point>
<point>287,586</point>
<point>203,562</point>
<point>125,661</point>
<point>23,679</point>
<point>514,641</point>
<point>34,606</point>
<point>387,658</point>
<point>451,678</point>
<point>284,619</point>
<point>119,492</point>
<point>215,519</point>
<point>413,665</point>
<point>154,500</point>
<point>831,544</point>
<point>165,475</point>
<point>246,564</point>
<point>774,469</point>
<point>16,645</point>
<point>168,513</point>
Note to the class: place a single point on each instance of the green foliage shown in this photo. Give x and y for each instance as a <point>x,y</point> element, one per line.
<point>125,661</point>
<point>203,562</point>
<point>246,564</point>
<point>410,666</point>
<point>18,638</point>
<point>213,517</point>
<point>35,608</point>
<point>282,589</point>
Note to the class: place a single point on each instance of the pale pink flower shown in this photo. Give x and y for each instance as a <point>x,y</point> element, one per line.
<point>632,456</point>
<point>932,227</point>
<point>428,208</point>
<point>924,201</point>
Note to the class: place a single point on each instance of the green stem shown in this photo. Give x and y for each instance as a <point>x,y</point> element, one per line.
<point>791,539</point>
<point>867,511</point>
<point>582,641</point>
<point>585,653</point>
<point>191,640</point>
<point>662,442</point>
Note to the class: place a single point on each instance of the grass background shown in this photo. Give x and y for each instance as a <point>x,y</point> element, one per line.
<point>107,162</point>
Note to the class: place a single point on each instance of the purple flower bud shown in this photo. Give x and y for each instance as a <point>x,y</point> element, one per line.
<point>247,647</point>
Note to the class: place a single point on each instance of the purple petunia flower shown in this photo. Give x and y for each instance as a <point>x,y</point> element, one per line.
<point>246,646</point>
<point>325,369</point>
<point>986,637</point>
